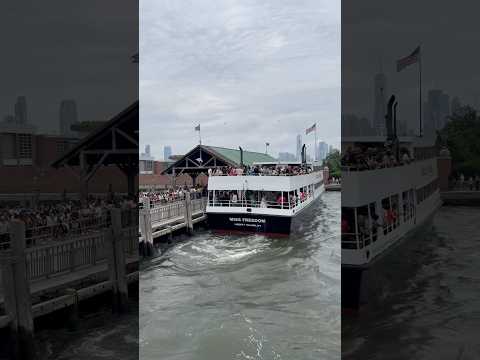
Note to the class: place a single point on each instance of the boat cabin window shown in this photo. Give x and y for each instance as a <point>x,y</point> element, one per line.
<point>349,229</point>
<point>426,191</point>
<point>408,205</point>
<point>359,226</point>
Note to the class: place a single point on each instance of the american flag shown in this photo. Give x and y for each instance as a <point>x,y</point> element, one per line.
<point>409,60</point>
<point>310,129</point>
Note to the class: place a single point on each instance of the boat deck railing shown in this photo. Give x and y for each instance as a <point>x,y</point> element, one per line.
<point>246,174</point>
<point>257,204</point>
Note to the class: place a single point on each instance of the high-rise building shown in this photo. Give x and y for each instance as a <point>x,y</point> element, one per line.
<point>286,156</point>
<point>68,117</point>
<point>456,105</point>
<point>299,147</point>
<point>436,112</point>
<point>322,150</point>
<point>9,119</point>
<point>147,161</point>
<point>21,110</point>
<point>379,107</point>
<point>167,152</point>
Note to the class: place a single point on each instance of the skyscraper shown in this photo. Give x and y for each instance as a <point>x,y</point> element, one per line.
<point>322,150</point>
<point>68,117</point>
<point>147,150</point>
<point>299,147</point>
<point>167,152</point>
<point>380,90</point>
<point>455,105</point>
<point>21,110</point>
<point>437,109</point>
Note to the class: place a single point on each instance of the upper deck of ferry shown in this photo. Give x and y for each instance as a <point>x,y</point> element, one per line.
<point>375,153</point>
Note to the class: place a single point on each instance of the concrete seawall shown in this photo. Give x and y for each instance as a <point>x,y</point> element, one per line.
<point>461,198</point>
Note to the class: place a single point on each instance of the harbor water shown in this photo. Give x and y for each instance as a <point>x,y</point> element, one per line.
<point>246,296</point>
<point>425,302</point>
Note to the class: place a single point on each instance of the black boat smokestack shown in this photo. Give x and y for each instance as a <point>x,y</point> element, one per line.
<point>395,119</point>
<point>304,154</point>
<point>241,156</point>
<point>389,118</point>
<point>396,145</point>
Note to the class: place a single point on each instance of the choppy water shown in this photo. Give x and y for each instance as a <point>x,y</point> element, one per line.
<point>427,303</point>
<point>99,335</point>
<point>247,296</point>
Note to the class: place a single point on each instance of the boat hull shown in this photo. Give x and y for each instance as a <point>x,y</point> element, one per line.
<point>257,223</point>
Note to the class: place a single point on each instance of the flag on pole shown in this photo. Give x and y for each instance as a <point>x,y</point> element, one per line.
<point>311,128</point>
<point>197,128</point>
<point>409,60</point>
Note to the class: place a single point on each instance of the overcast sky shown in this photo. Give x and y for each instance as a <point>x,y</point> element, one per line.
<point>248,71</point>
<point>378,32</point>
<point>54,50</point>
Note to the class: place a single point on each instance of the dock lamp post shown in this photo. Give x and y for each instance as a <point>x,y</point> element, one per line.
<point>266,147</point>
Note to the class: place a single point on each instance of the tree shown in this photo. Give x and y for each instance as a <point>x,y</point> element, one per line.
<point>332,161</point>
<point>462,134</point>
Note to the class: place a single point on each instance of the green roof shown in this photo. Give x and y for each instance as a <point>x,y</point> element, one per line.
<point>233,155</point>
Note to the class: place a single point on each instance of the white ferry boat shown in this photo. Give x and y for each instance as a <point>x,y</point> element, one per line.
<point>380,206</point>
<point>267,203</point>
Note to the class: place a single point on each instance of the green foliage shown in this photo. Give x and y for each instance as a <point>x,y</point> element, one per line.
<point>462,134</point>
<point>333,162</point>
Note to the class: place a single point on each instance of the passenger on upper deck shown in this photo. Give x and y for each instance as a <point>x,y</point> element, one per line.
<point>370,158</point>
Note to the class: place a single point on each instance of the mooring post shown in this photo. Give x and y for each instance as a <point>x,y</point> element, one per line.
<point>147,227</point>
<point>116,262</point>
<point>17,300</point>
<point>73,313</point>
<point>188,213</point>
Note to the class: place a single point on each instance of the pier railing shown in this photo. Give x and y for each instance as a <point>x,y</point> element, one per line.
<point>78,250</point>
<point>185,213</point>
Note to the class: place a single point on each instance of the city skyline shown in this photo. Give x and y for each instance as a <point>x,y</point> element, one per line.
<point>246,76</point>
<point>81,62</point>
<point>444,65</point>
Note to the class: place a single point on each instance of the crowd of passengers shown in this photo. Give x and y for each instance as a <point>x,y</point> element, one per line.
<point>370,158</point>
<point>172,195</point>
<point>390,219</point>
<point>57,219</point>
<point>263,170</point>
<point>267,199</point>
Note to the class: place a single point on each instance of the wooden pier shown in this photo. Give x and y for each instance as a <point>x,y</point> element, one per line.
<point>39,280</point>
<point>163,220</point>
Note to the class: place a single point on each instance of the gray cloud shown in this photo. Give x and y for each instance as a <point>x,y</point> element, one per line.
<point>57,49</point>
<point>247,71</point>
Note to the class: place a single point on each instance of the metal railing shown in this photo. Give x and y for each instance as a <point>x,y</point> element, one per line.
<point>257,204</point>
<point>260,174</point>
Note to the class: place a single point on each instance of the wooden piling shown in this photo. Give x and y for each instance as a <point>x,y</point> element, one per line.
<point>188,213</point>
<point>116,262</point>
<point>73,311</point>
<point>17,300</point>
<point>147,228</point>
